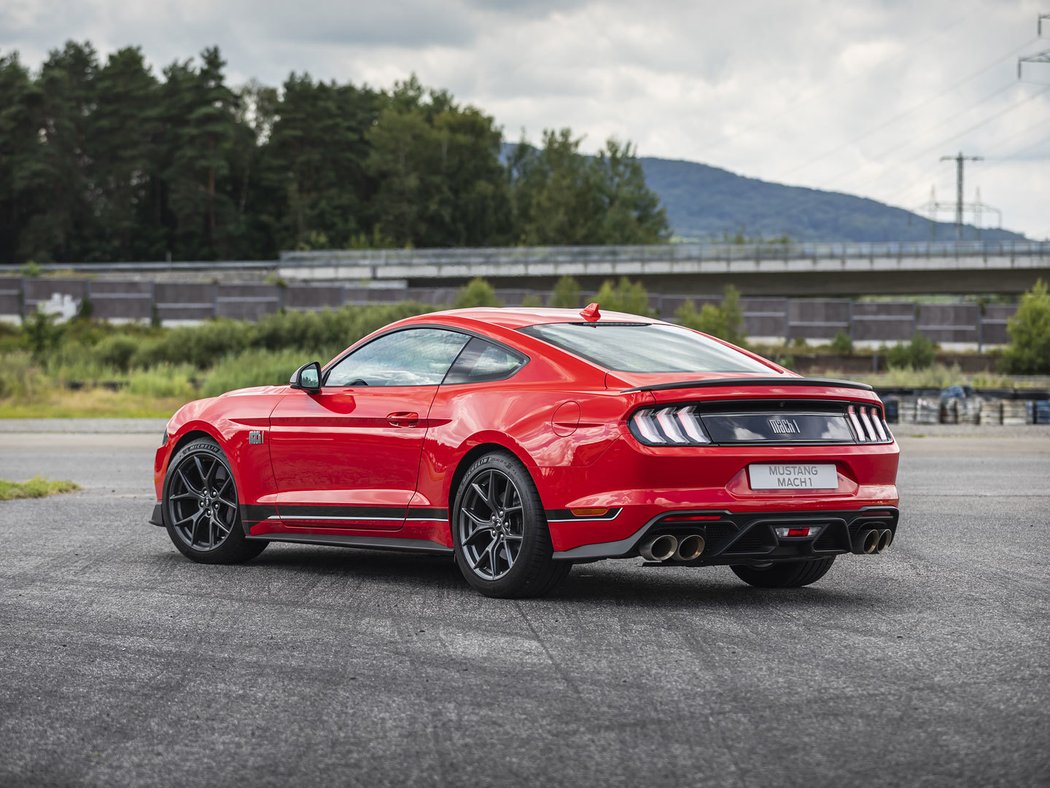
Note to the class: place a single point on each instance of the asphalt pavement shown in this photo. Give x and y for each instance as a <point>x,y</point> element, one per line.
<point>122,663</point>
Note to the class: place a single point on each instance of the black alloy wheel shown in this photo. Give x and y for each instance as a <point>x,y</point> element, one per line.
<point>502,542</point>
<point>491,525</point>
<point>201,511</point>
<point>202,501</point>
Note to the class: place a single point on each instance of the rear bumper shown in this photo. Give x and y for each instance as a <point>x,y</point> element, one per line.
<point>749,537</point>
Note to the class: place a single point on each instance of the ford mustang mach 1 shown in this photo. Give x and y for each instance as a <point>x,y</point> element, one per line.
<point>523,441</point>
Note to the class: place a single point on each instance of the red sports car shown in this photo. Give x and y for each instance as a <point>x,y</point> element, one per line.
<point>522,441</point>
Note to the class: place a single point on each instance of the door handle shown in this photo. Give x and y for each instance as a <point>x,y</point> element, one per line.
<point>403,418</point>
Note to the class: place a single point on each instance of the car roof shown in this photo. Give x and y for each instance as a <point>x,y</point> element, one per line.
<point>519,317</point>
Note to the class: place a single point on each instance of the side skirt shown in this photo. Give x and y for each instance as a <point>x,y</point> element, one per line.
<point>362,542</point>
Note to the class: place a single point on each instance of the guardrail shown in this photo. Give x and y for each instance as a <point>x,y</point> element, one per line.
<point>683,252</point>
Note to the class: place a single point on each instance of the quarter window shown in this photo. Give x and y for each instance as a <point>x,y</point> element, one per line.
<point>482,361</point>
<point>412,357</point>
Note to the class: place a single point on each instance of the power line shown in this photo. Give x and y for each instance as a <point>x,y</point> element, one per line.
<point>1018,153</point>
<point>804,96</point>
<point>904,113</point>
<point>926,151</point>
<point>943,122</point>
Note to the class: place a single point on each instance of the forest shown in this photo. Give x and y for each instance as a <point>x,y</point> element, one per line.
<point>102,159</point>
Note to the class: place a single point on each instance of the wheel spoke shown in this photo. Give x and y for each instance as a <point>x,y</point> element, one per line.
<point>196,523</point>
<point>493,552</point>
<point>186,482</point>
<point>474,564</point>
<point>479,520</point>
<point>470,537</point>
<point>481,493</point>
<point>230,504</point>
<point>215,467</point>
<point>200,471</point>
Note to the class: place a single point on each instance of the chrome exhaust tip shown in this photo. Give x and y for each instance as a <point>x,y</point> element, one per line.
<point>690,547</point>
<point>867,541</point>
<point>885,540</point>
<point>659,548</point>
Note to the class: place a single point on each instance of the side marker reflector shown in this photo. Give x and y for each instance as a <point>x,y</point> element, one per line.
<point>589,512</point>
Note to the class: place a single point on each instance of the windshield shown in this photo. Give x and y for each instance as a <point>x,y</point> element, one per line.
<point>644,347</point>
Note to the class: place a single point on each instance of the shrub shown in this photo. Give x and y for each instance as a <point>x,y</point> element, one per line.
<point>42,334</point>
<point>19,376</point>
<point>725,321</point>
<point>163,380</point>
<point>623,296</point>
<point>202,346</point>
<point>566,294</point>
<point>477,292</point>
<point>532,301</point>
<point>251,368</point>
<point>1028,352</point>
<point>842,344</point>
<point>920,353</point>
<point>116,351</point>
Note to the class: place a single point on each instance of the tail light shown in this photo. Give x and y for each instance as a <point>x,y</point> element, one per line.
<point>867,423</point>
<point>677,425</point>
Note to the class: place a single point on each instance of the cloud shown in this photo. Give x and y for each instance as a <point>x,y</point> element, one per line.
<point>855,96</point>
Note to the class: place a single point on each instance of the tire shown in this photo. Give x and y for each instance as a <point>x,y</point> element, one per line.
<point>201,508</point>
<point>498,484</point>
<point>789,574</point>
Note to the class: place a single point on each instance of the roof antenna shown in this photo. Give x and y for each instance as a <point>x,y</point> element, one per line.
<point>590,313</point>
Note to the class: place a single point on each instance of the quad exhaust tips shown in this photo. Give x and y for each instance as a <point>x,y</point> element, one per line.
<point>667,547</point>
<point>872,541</point>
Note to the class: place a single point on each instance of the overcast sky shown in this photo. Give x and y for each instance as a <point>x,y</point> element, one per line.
<point>860,96</point>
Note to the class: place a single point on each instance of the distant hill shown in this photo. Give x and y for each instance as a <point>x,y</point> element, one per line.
<point>705,202</point>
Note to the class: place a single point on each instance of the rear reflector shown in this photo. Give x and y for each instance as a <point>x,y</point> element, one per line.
<point>797,532</point>
<point>589,512</point>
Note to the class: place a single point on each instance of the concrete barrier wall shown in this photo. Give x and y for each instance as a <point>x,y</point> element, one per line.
<point>767,317</point>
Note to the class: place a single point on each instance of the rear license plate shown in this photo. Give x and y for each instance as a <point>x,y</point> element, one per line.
<point>768,476</point>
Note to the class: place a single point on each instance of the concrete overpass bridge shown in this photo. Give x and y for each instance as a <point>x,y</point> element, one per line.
<point>756,269</point>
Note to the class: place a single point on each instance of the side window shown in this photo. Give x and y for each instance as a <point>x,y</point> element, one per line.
<point>481,361</point>
<point>413,357</point>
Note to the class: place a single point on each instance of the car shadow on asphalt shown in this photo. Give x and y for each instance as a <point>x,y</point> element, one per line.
<point>601,582</point>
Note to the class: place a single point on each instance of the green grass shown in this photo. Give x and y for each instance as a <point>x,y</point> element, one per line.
<point>37,487</point>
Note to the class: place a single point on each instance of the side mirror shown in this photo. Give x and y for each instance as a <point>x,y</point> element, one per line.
<point>307,377</point>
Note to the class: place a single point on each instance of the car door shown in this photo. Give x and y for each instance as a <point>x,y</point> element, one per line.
<point>347,456</point>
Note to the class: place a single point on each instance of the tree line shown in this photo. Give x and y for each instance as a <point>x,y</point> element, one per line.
<point>108,161</point>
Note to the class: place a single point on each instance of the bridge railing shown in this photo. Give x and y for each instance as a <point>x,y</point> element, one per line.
<point>684,252</point>
<point>667,252</point>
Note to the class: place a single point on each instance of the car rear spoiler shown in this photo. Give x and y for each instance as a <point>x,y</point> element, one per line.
<point>783,381</point>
